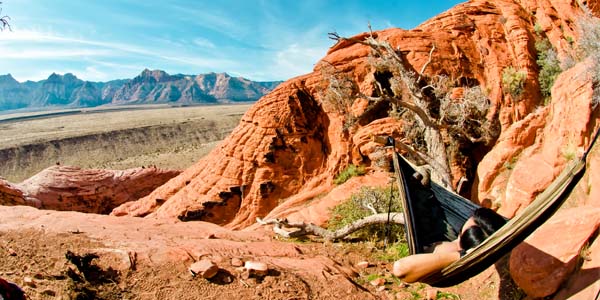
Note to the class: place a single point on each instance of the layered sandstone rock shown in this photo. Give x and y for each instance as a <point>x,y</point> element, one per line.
<point>531,153</point>
<point>11,195</point>
<point>541,265</point>
<point>291,142</point>
<point>84,190</point>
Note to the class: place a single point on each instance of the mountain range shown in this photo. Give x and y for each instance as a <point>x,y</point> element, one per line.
<point>151,86</point>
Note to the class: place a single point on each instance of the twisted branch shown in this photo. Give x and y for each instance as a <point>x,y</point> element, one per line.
<point>312,229</point>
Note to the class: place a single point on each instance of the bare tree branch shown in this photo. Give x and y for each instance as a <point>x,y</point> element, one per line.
<point>4,21</point>
<point>427,63</point>
<point>312,229</point>
<point>423,115</point>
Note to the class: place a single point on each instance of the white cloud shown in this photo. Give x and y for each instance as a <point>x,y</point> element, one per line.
<point>93,74</point>
<point>48,45</point>
<point>52,53</point>
<point>203,43</point>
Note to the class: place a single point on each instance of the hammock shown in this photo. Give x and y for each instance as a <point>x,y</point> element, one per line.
<point>433,213</point>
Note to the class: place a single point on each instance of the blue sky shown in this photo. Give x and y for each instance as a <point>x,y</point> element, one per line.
<point>102,40</point>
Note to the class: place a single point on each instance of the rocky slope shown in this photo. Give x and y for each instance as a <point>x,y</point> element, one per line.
<point>148,87</point>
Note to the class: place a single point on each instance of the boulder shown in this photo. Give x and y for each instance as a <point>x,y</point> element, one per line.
<point>546,259</point>
<point>204,268</point>
<point>585,283</point>
<point>12,195</point>
<point>84,190</point>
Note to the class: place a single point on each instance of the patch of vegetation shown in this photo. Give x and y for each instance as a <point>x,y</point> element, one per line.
<point>348,173</point>
<point>513,81</point>
<point>372,277</point>
<point>538,29</point>
<point>569,152</point>
<point>509,165</point>
<point>394,252</point>
<point>547,61</point>
<point>365,203</point>
<point>570,39</point>
<point>445,295</point>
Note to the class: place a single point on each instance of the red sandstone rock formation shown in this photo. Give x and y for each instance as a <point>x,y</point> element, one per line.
<point>541,265</point>
<point>11,195</point>
<point>531,153</point>
<point>92,191</point>
<point>290,142</point>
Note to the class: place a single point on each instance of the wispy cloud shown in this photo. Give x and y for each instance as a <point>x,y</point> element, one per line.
<point>52,53</point>
<point>203,43</point>
<point>37,39</point>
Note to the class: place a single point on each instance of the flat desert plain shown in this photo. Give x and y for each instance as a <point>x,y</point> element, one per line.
<point>113,138</point>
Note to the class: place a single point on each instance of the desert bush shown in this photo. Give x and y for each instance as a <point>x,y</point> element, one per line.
<point>365,203</point>
<point>338,93</point>
<point>547,61</point>
<point>348,173</point>
<point>513,81</point>
<point>589,46</point>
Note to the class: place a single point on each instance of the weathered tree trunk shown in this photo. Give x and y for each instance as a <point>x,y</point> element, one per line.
<point>312,229</point>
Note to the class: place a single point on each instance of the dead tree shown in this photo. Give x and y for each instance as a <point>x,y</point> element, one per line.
<point>442,123</point>
<point>4,24</point>
<point>312,229</point>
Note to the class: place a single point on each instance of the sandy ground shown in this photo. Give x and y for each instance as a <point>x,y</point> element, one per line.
<point>167,137</point>
<point>42,251</point>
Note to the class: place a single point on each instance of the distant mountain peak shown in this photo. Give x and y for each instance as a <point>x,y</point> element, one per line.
<point>150,86</point>
<point>7,78</point>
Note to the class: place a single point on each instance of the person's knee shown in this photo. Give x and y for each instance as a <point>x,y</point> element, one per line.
<point>399,269</point>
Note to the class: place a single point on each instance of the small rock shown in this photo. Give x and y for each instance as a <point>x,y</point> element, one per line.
<point>381,288</point>
<point>28,281</point>
<point>348,271</point>
<point>245,274</point>
<point>204,268</point>
<point>227,279</point>
<point>378,281</point>
<point>217,259</point>
<point>211,236</point>
<point>363,264</point>
<point>431,294</point>
<point>258,268</point>
<point>236,262</point>
<point>12,252</point>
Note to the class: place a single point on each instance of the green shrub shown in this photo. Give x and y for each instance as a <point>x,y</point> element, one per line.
<point>547,61</point>
<point>513,81</point>
<point>394,252</point>
<point>538,29</point>
<point>356,208</point>
<point>348,173</point>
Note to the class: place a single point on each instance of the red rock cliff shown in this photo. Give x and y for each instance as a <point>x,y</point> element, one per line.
<point>290,143</point>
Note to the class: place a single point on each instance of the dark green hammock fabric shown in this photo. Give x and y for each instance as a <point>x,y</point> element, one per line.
<point>433,213</point>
